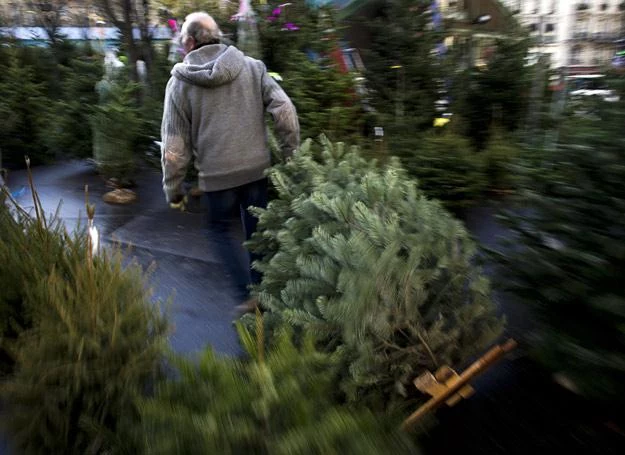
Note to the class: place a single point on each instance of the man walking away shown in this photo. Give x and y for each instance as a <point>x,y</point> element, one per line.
<point>215,106</point>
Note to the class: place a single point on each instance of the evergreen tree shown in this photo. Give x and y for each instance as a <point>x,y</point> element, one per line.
<point>69,131</point>
<point>27,253</point>
<point>115,124</point>
<point>324,97</point>
<point>496,95</point>
<point>283,402</point>
<point>566,259</point>
<point>360,257</point>
<point>403,69</point>
<point>300,42</point>
<point>92,341</point>
<point>48,95</point>
<point>23,108</point>
<point>446,167</point>
<point>500,157</point>
<point>42,62</point>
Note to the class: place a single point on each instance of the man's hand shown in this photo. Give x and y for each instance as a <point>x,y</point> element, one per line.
<point>179,203</point>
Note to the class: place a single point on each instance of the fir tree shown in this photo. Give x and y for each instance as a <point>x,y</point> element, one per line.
<point>92,343</point>
<point>403,69</point>
<point>27,253</point>
<point>69,130</point>
<point>324,97</point>
<point>301,43</point>
<point>115,123</point>
<point>446,167</point>
<point>23,108</point>
<point>359,256</point>
<point>566,259</point>
<point>500,157</point>
<point>281,402</point>
<point>496,95</point>
<point>96,343</point>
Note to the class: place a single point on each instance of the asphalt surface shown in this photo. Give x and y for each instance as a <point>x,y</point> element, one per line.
<point>202,277</point>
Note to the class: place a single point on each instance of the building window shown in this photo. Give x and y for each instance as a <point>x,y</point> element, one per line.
<point>554,7</point>
<point>576,55</point>
<point>532,28</point>
<point>550,28</point>
<point>604,6</point>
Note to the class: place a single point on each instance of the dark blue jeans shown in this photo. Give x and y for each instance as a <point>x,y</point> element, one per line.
<point>223,206</point>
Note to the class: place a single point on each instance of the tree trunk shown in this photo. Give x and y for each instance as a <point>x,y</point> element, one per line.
<point>146,38</point>
<point>127,33</point>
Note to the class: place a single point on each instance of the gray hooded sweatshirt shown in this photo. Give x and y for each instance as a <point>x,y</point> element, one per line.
<point>215,106</point>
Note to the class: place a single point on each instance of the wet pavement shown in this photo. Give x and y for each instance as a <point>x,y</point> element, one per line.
<point>482,223</point>
<point>203,277</point>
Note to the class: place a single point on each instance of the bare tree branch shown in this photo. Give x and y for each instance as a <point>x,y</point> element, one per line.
<point>49,14</point>
<point>108,9</point>
<point>123,15</point>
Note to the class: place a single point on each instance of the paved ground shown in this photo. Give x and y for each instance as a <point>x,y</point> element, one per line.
<point>205,277</point>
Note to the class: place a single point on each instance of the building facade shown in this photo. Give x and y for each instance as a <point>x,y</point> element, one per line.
<point>75,13</point>
<point>582,36</point>
<point>78,20</point>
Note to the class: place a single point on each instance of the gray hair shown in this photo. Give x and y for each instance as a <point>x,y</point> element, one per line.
<point>202,28</point>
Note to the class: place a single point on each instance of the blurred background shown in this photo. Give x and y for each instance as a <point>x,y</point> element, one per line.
<point>463,183</point>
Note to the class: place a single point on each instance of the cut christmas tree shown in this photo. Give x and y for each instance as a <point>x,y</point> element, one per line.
<point>357,255</point>
<point>115,125</point>
<point>82,332</point>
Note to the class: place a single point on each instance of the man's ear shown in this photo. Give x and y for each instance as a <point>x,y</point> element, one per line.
<point>189,44</point>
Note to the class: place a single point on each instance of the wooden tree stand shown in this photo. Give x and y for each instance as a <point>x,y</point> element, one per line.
<point>120,196</point>
<point>447,386</point>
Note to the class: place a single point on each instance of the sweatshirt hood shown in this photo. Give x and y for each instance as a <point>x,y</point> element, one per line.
<point>210,65</point>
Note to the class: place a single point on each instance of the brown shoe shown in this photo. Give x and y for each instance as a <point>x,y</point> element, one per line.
<point>196,192</point>
<point>249,306</point>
